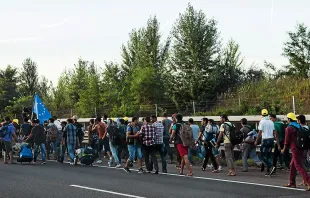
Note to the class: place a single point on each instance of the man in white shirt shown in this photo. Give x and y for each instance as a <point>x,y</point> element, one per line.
<point>267,132</point>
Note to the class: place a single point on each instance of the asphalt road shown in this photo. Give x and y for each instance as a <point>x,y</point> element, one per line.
<point>63,180</point>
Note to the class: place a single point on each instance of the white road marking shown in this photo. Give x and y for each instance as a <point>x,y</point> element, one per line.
<point>106,191</point>
<point>212,179</point>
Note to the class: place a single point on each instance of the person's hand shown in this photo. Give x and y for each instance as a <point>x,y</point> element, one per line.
<point>216,145</point>
<point>255,143</point>
<point>279,147</point>
<point>282,151</point>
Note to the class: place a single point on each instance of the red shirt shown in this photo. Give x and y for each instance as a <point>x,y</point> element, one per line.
<point>290,137</point>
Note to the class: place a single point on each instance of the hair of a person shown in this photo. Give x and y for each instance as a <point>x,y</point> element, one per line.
<point>105,116</point>
<point>191,121</point>
<point>244,121</point>
<point>98,119</point>
<point>291,120</point>
<point>273,116</point>
<point>26,119</point>
<point>179,117</point>
<point>154,116</point>
<point>165,115</point>
<point>55,117</point>
<point>122,121</point>
<point>7,119</point>
<point>134,119</point>
<point>211,121</point>
<point>205,119</point>
<point>51,120</point>
<point>302,119</point>
<point>64,122</point>
<point>147,119</point>
<point>70,120</point>
<point>92,120</point>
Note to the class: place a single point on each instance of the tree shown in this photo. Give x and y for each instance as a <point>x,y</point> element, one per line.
<point>8,86</point>
<point>29,78</point>
<point>297,50</point>
<point>195,50</point>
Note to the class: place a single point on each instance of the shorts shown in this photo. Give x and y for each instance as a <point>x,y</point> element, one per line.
<point>133,151</point>
<point>104,143</point>
<point>183,150</point>
<point>8,146</point>
<point>215,151</point>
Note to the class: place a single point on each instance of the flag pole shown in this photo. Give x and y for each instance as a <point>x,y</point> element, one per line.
<point>33,105</point>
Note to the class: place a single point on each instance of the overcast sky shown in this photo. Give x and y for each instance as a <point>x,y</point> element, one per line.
<point>56,33</point>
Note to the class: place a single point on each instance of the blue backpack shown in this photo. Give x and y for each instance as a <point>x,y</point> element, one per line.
<point>4,131</point>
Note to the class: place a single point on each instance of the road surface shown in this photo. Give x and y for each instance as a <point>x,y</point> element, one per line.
<point>62,180</point>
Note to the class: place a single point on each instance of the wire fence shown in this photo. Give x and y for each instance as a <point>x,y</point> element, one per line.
<point>233,106</point>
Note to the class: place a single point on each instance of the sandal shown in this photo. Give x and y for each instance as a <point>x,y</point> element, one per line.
<point>189,175</point>
<point>290,186</point>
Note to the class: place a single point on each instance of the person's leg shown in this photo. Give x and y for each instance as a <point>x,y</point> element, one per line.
<point>276,155</point>
<point>163,152</point>
<point>48,149</point>
<point>54,146</point>
<point>107,147</point>
<point>263,152</point>
<point>190,155</point>
<point>229,158</point>
<point>178,155</point>
<point>214,163</point>
<point>43,149</point>
<point>139,156</point>
<point>245,154</point>
<point>154,158</point>
<point>36,152</point>
<point>287,158</point>
<point>63,151</point>
<point>131,151</point>
<point>188,166</point>
<point>100,147</point>
<point>254,157</point>
<point>114,154</point>
<point>146,151</point>
<point>206,158</point>
<point>270,146</point>
<point>71,152</point>
<point>298,162</point>
<point>292,173</point>
<point>168,148</point>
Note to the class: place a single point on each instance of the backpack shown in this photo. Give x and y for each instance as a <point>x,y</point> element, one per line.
<point>4,131</point>
<point>114,135</point>
<point>88,156</point>
<point>236,136</point>
<point>186,135</point>
<point>53,133</point>
<point>303,138</point>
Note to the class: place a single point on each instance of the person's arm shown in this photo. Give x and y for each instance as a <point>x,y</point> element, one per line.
<point>258,137</point>
<point>95,126</point>
<point>286,140</point>
<point>15,137</point>
<point>89,127</point>
<point>30,136</point>
<point>218,142</point>
<point>276,135</point>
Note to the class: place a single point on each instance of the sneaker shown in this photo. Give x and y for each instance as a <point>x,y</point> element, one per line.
<point>262,167</point>
<point>165,171</point>
<point>273,171</point>
<point>126,169</point>
<point>110,164</point>
<point>203,169</point>
<point>156,172</point>
<point>220,168</point>
<point>43,162</point>
<point>267,174</point>
<point>71,163</point>
<point>141,171</point>
<point>118,166</point>
<point>74,161</point>
<point>99,162</point>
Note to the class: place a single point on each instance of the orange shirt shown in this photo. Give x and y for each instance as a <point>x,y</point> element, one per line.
<point>101,127</point>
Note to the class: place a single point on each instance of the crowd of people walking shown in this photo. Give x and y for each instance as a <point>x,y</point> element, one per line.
<point>132,140</point>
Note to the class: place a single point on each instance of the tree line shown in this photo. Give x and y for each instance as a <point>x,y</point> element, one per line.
<point>191,65</point>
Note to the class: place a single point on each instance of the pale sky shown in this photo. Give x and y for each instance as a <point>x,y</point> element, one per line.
<point>56,33</point>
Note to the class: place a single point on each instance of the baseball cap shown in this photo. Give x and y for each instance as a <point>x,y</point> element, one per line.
<point>264,112</point>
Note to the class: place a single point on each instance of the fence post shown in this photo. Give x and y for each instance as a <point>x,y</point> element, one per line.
<point>71,113</point>
<point>96,112</point>
<point>294,107</point>
<point>156,109</point>
<point>194,110</point>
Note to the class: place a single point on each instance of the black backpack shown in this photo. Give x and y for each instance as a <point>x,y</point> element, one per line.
<point>114,135</point>
<point>4,131</point>
<point>236,136</point>
<point>303,138</point>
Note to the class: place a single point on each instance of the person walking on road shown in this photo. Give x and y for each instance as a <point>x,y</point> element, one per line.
<point>183,150</point>
<point>249,150</point>
<point>195,129</point>
<point>266,133</point>
<point>167,124</point>
<point>72,139</point>
<point>225,131</point>
<point>8,132</point>
<point>297,154</point>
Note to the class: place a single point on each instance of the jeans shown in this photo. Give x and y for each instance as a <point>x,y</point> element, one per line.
<point>114,150</point>
<point>229,155</point>
<point>190,154</point>
<point>134,150</point>
<point>168,148</point>
<point>160,148</point>
<point>249,150</point>
<point>282,157</point>
<point>150,151</point>
<point>209,154</point>
<point>266,150</point>
<point>36,151</point>
<point>63,149</point>
<point>53,145</point>
<point>71,151</point>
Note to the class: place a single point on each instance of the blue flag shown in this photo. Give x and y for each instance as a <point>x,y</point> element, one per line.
<point>40,109</point>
